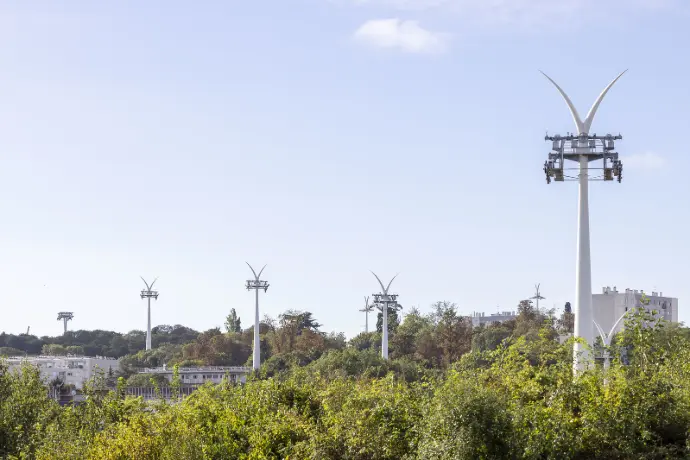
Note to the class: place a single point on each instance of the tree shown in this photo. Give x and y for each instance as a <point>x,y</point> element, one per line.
<point>8,351</point>
<point>147,380</point>
<point>393,318</point>
<point>54,350</point>
<point>566,323</point>
<point>514,398</point>
<point>453,332</point>
<point>76,350</point>
<point>489,337</point>
<point>405,341</point>
<point>293,325</point>
<point>233,322</point>
<point>299,321</point>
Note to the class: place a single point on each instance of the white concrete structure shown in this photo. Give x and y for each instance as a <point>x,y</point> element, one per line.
<point>583,150</point>
<point>479,318</point>
<point>368,308</point>
<point>611,304</point>
<point>256,284</point>
<point>201,375</point>
<point>71,370</point>
<point>148,294</point>
<point>385,298</point>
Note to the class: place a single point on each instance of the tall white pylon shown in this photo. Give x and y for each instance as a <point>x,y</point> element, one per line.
<point>256,284</point>
<point>583,148</point>
<point>366,310</point>
<point>537,296</point>
<point>148,294</point>
<point>65,316</point>
<point>385,298</point>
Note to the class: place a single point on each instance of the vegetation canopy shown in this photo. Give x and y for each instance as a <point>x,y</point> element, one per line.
<point>449,391</point>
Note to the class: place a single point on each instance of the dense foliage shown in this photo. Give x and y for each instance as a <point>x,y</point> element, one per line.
<point>94,343</point>
<point>449,392</point>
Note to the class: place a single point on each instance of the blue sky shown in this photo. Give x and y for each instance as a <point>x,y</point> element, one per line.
<point>327,138</point>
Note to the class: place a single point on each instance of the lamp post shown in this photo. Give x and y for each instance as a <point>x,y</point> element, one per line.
<point>256,284</point>
<point>148,294</point>
<point>583,148</point>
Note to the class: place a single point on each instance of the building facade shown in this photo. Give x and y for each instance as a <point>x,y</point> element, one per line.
<point>201,375</point>
<point>70,370</point>
<point>479,318</point>
<point>611,304</point>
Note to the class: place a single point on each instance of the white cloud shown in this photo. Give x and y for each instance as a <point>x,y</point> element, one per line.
<point>406,36</point>
<point>647,160</point>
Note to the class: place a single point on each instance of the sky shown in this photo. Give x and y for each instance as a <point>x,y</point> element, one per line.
<point>327,138</point>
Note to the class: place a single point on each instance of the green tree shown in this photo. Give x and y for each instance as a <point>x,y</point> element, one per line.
<point>233,322</point>
<point>393,318</point>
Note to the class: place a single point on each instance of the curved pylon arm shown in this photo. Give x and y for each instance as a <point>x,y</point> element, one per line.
<point>583,127</point>
<point>606,338</point>
<point>149,287</point>
<point>252,269</point>
<point>595,106</point>
<point>601,334</point>
<point>391,282</point>
<point>256,277</point>
<point>384,290</point>
<point>573,111</point>
<point>615,325</point>
<point>367,308</point>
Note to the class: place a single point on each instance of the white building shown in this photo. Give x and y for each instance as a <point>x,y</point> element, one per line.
<point>201,375</point>
<point>74,370</point>
<point>480,318</point>
<point>611,305</point>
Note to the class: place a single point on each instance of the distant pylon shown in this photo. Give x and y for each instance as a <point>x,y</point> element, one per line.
<point>367,309</point>
<point>149,293</point>
<point>537,296</point>
<point>64,316</point>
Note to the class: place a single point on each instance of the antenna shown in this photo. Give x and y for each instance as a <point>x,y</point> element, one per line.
<point>583,149</point>
<point>385,298</point>
<point>64,316</point>
<point>28,328</point>
<point>256,284</point>
<point>366,310</point>
<point>537,296</point>
<point>148,294</point>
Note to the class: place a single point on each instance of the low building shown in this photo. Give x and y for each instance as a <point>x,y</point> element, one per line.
<point>201,375</point>
<point>479,319</point>
<point>611,304</point>
<point>70,370</point>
